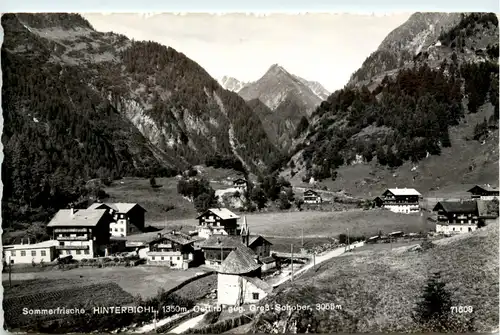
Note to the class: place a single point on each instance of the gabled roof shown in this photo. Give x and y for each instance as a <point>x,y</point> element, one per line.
<point>223,213</point>
<point>259,283</point>
<point>311,192</point>
<point>403,191</point>
<point>239,180</point>
<point>487,188</point>
<point>457,206</point>
<point>255,238</point>
<point>222,241</point>
<point>120,207</point>
<point>242,260</point>
<point>177,238</point>
<point>79,218</point>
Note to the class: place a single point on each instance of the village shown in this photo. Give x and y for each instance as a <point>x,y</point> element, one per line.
<point>246,266</point>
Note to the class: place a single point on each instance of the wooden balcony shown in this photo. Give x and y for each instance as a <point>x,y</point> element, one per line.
<point>72,247</point>
<point>70,230</point>
<point>73,238</point>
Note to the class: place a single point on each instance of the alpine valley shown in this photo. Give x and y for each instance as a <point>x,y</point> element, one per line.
<point>81,105</point>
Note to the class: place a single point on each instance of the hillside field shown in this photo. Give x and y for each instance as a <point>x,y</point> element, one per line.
<point>467,162</point>
<point>164,203</point>
<point>378,289</point>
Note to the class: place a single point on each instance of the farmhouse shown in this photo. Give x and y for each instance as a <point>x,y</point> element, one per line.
<point>456,217</point>
<point>312,197</point>
<point>240,184</point>
<point>174,250</point>
<point>28,253</point>
<point>128,218</point>
<point>485,192</point>
<point>217,221</point>
<point>400,200</point>
<point>238,279</point>
<point>82,233</point>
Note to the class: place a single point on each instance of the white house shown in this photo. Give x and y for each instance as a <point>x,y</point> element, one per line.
<point>128,218</point>
<point>456,217</point>
<point>238,279</point>
<point>400,200</point>
<point>312,197</point>
<point>217,221</point>
<point>28,253</point>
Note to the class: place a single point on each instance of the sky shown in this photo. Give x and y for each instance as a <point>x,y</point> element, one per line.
<point>326,48</point>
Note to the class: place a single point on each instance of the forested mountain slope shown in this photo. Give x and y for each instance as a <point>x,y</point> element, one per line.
<point>79,104</point>
<point>427,107</point>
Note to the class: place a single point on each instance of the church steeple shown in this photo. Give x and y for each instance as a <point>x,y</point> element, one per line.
<point>245,232</point>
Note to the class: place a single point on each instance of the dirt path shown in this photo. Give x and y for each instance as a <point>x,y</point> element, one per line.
<point>191,323</point>
<point>319,259</point>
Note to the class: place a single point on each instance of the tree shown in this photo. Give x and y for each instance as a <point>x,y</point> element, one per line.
<point>283,201</point>
<point>433,312</point>
<point>205,201</point>
<point>259,197</point>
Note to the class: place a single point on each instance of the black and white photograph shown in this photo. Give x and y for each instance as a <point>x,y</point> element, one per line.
<point>203,173</point>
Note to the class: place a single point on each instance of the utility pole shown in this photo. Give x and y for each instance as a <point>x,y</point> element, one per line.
<point>10,273</point>
<point>390,240</point>
<point>154,314</point>
<point>302,237</point>
<point>291,260</point>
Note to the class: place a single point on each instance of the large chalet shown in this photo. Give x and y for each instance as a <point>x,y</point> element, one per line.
<point>128,218</point>
<point>174,250</point>
<point>312,197</point>
<point>456,217</point>
<point>240,184</point>
<point>400,200</point>
<point>485,192</point>
<point>82,233</point>
<point>219,221</point>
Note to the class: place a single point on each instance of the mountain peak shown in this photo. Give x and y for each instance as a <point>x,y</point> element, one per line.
<point>276,69</point>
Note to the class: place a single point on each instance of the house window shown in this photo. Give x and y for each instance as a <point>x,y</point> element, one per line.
<point>153,258</point>
<point>86,252</point>
<point>13,252</point>
<point>121,229</point>
<point>110,229</point>
<point>162,258</point>
<point>255,296</point>
<point>78,252</point>
<point>43,253</point>
<point>68,252</point>
<point>23,253</point>
<point>178,258</point>
<point>33,252</point>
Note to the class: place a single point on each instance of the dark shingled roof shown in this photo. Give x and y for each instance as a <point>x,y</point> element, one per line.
<point>79,218</point>
<point>457,206</point>
<point>487,188</point>
<point>228,241</point>
<point>242,260</point>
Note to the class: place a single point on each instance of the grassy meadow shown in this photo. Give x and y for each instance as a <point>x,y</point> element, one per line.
<point>378,289</point>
